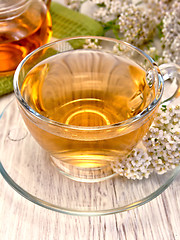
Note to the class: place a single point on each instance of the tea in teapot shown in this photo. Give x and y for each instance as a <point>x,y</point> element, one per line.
<point>24,26</point>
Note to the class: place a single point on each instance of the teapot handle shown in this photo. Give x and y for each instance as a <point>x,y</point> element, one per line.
<point>171,76</point>
<point>47,2</point>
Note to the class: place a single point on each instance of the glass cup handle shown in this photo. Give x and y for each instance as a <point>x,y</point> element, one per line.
<point>171,76</point>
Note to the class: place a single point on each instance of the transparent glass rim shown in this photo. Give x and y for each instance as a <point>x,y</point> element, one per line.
<point>129,121</point>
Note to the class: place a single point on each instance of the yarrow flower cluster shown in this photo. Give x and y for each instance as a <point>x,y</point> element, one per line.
<point>139,23</point>
<point>135,166</point>
<point>108,10</point>
<point>162,148</point>
<point>158,8</point>
<point>135,24</point>
<point>163,140</point>
<point>171,34</point>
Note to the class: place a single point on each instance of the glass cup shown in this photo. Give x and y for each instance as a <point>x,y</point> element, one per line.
<point>88,101</point>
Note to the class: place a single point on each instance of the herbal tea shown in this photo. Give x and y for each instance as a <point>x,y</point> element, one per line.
<point>22,34</point>
<point>87,89</point>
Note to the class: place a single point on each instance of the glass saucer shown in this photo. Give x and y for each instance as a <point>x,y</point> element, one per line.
<point>27,168</point>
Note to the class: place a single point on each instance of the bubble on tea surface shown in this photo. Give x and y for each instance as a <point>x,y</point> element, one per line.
<point>17,134</point>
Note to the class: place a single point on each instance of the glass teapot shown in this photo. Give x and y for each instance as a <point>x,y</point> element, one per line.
<point>24,26</point>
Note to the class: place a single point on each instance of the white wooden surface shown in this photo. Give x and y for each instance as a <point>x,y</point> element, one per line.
<point>23,220</point>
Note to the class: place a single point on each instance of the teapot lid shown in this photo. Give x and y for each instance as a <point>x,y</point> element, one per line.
<point>12,8</point>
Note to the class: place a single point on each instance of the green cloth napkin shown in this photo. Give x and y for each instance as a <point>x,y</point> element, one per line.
<point>65,23</point>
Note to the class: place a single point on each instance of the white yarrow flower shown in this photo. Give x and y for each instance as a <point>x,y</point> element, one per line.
<point>171,32</point>
<point>162,144</point>
<point>136,25</point>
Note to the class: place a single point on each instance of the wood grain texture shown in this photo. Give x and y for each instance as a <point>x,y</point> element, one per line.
<point>21,219</point>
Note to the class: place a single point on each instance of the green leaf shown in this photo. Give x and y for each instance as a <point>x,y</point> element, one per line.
<point>160,29</point>
<point>101,4</point>
<point>112,25</point>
